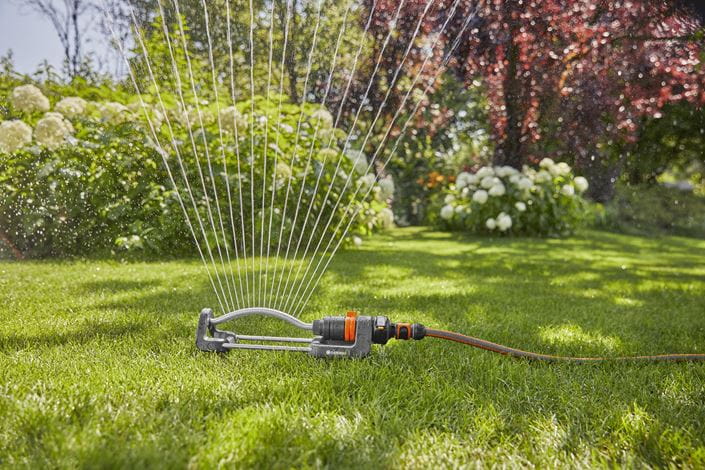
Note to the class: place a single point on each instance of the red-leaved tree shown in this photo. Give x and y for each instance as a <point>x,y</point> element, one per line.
<point>573,79</point>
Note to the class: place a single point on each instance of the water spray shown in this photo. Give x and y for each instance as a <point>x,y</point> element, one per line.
<point>352,336</point>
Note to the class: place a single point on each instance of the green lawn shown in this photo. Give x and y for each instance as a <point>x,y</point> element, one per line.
<point>98,366</point>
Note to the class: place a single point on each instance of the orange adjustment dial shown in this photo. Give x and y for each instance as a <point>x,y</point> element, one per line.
<point>350,322</point>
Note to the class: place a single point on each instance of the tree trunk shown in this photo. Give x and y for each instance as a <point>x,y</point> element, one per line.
<point>509,148</point>
<point>75,61</point>
<point>15,251</point>
<point>602,174</point>
<point>291,56</point>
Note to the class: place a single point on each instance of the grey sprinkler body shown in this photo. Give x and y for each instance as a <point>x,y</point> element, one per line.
<point>349,336</point>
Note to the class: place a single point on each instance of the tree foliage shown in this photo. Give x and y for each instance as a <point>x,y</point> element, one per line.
<point>570,80</point>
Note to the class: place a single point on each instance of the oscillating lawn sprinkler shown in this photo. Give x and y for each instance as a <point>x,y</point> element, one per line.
<point>349,336</point>
<point>353,335</point>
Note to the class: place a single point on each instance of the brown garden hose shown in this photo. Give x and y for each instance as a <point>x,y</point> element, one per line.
<point>507,351</point>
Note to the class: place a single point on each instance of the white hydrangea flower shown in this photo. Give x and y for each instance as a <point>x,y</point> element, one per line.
<point>326,136</point>
<point>71,106</point>
<point>497,190</point>
<point>525,184</point>
<point>387,217</point>
<point>231,118</point>
<point>484,171</point>
<point>114,113</point>
<point>328,154</point>
<point>543,176</point>
<point>491,223</point>
<point>480,196</point>
<point>464,192</point>
<point>504,222</point>
<point>28,99</point>
<point>282,171</point>
<point>14,135</point>
<point>557,169</point>
<point>489,181</point>
<point>581,184</point>
<point>321,117</point>
<point>465,179</point>
<point>359,160</point>
<point>386,186</point>
<point>459,209</point>
<point>367,181</point>
<point>515,178</point>
<point>561,169</point>
<point>520,206</point>
<point>546,163</point>
<point>361,167</point>
<point>357,241</point>
<point>449,199</point>
<point>447,212</point>
<point>504,171</point>
<point>568,190</point>
<point>52,130</point>
<point>353,154</point>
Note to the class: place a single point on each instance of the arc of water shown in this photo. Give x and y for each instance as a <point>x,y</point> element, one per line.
<point>310,153</point>
<point>296,141</point>
<point>265,150</point>
<point>276,145</point>
<point>351,75</point>
<point>289,298</point>
<point>237,155</point>
<point>308,290</point>
<point>362,101</point>
<point>163,153</point>
<point>252,143</point>
<point>190,131</point>
<point>222,152</point>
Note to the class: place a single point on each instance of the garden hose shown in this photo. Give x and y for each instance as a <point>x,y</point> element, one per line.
<point>518,353</point>
<point>352,335</point>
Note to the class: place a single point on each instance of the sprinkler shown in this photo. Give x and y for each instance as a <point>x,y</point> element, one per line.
<point>353,335</point>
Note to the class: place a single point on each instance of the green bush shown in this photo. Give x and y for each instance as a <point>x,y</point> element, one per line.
<point>544,202</point>
<point>92,180</point>
<point>655,210</point>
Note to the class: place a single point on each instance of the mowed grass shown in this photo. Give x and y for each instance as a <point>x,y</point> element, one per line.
<point>98,366</point>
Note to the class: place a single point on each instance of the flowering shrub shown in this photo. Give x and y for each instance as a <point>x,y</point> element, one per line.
<point>88,176</point>
<point>546,201</point>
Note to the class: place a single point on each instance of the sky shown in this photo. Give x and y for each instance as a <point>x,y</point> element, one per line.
<point>30,36</point>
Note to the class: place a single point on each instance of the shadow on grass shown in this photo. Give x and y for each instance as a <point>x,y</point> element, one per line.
<point>116,285</point>
<point>90,331</point>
